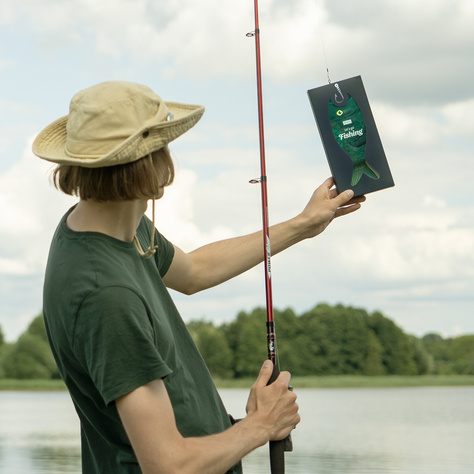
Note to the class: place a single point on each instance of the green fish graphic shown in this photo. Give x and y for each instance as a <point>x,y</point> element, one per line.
<point>348,127</point>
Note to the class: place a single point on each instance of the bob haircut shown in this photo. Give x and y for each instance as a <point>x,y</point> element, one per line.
<point>141,179</point>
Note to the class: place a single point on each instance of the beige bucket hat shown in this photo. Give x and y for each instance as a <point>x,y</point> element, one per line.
<point>114,123</point>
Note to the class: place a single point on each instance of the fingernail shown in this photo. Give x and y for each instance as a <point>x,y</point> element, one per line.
<point>350,193</point>
<point>267,363</point>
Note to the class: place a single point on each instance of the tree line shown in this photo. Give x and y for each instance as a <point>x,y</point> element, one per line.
<point>30,356</point>
<point>326,340</point>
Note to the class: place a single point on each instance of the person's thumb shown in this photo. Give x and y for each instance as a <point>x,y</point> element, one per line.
<point>344,197</point>
<point>265,373</point>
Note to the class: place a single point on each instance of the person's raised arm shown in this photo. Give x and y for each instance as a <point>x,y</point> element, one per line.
<point>148,419</point>
<point>215,263</point>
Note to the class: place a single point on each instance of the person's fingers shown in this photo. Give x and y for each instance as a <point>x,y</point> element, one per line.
<point>343,211</point>
<point>329,183</point>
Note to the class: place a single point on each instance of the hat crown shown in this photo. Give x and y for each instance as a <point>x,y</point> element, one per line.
<point>103,116</point>
<point>114,123</point>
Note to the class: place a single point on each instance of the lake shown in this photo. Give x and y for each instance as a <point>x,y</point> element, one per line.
<point>390,430</point>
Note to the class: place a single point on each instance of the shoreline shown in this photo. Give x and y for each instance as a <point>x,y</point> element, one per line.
<point>328,381</point>
<point>364,381</point>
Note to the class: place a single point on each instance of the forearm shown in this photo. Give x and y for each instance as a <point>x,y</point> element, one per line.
<point>225,259</point>
<point>217,453</point>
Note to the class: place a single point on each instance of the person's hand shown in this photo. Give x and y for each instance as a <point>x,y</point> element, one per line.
<point>326,204</point>
<point>274,405</point>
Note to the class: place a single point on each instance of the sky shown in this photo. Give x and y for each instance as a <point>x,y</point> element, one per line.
<point>409,252</point>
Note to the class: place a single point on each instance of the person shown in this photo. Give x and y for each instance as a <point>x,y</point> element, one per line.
<point>144,396</point>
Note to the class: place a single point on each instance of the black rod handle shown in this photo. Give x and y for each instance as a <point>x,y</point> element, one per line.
<point>278,448</point>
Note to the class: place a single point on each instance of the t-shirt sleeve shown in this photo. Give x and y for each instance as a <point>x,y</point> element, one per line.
<point>165,253</point>
<point>114,341</point>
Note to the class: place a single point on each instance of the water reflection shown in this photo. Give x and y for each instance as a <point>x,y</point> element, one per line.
<point>39,433</point>
<point>60,459</point>
<point>45,459</point>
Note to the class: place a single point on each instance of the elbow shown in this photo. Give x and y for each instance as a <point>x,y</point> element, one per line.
<point>191,283</point>
<point>185,286</point>
<point>189,290</point>
<point>192,286</point>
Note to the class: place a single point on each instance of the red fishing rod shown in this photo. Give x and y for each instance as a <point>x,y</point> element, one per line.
<point>277,448</point>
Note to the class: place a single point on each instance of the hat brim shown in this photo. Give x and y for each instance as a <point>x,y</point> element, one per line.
<point>50,144</point>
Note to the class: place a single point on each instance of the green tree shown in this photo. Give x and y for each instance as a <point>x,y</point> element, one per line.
<point>374,356</point>
<point>397,355</point>
<point>439,349</point>
<point>30,357</point>
<point>3,347</point>
<point>37,328</point>
<point>213,346</point>
<point>423,360</point>
<point>336,340</point>
<point>246,336</point>
<point>461,354</point>
<point>290,340</point>
<point>436,345</point>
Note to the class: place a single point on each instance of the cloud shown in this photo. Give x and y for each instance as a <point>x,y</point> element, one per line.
<point>425,126</point>
<point>11,266</point>
<point>457,120</point>
<point>29,211</point>
<point>408,126</point>
<point>144,31</point>
<point>408,51</point>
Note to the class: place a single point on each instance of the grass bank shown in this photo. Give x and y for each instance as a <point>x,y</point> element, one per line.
<point>333,381</point>
<point>361,381</point>
<point>33,384</point>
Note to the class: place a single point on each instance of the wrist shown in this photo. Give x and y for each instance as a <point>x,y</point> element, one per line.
<point>254,428</point>
<point>301,227</point>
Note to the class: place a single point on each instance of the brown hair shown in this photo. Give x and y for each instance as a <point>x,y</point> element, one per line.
<point>141,179</point>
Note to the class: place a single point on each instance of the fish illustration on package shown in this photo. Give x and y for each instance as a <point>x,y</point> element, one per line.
<point>349,129</point>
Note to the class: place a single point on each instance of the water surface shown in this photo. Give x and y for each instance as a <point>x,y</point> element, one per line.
<point>393,430</point>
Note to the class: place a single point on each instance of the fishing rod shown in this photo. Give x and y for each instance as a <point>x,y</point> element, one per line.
<point>277,448</point>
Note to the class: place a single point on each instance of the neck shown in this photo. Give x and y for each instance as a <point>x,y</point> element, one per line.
<point>118,219</point>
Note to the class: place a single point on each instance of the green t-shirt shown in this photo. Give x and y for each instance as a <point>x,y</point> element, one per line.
<point>113,327</point>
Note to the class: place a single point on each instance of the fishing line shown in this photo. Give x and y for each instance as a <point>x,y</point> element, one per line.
<point>322,39</point>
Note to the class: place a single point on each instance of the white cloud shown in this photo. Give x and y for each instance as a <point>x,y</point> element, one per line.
<point>459,122</point>
<point>419,256</point>
<point>408,126</point>
<point>13,267</point>
<point>30,209</point>
<point>405,46</point>
<point>199,39</point>
<point>434,202</point>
